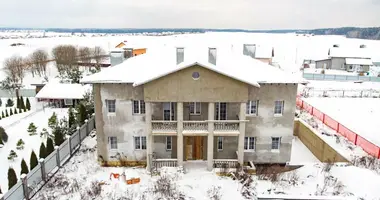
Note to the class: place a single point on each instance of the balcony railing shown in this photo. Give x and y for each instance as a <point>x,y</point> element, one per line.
<point>158,163</point>
<point>226,126</point>
<point>225,163</point>
<point>164,126</point>
<point>195,126</point>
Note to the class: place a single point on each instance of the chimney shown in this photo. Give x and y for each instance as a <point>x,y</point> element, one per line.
<point>362,46</point>
<point>336,45</point>
<point>212,55</point>
<point>249,50</point>
<point>180,55</point>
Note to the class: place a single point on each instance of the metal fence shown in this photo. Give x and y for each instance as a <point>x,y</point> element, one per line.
<point>352,93</point>
<point>332,77</point>
<point>30,184</point>
<point>22,92</point>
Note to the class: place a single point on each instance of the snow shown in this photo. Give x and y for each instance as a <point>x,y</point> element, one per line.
<point>358,61</point>
<point>300,154</point>
<point>62,91</point>
<point>360,115</point>
<point>346,52</point>
<point>18,131</point>
<point>329,71</point>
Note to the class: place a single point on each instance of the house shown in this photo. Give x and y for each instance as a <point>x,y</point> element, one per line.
<point>118,55</point>
<point>259,52</point>
<point>347,59</point>
<point>174,105</point>
<point>62,95</point>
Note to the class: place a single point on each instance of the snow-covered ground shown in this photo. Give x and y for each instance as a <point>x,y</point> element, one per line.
<point>18,131</point>
<point>340,89</point>
<point>82,170</point>
<point>300,154</point>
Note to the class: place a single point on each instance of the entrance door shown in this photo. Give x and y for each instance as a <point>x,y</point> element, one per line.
<point>189,148</point>
<point>221,111</point>
<point>168,111</point>
<point>194,148</point>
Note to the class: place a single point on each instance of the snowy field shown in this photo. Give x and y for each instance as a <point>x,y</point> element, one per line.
<point>82,171</point>
<point>18,131</point>
<point>361,115</point>
<point>340,89</point>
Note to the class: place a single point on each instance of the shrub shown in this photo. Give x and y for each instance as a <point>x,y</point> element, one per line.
<point>24,110</point>
<point>327,167</point>
<point>3,134</point>
<point>49,146</point>
<point>59,136</point>
<point>1,141</point>
<point>44,133</point>
<point>18,102</point>
<point>81,113</point>
<point>1,103</point>
<point>27,106</point>
<point>42,151</point>
<point>72,121</point>
<point>12,178</point>
<point>6,113</point>
<point>19,110</point>
<point>10,112</point>
<point>15,111</point>
<point>2,114</point>
<point>53,122</point>
<point>214,193</point>
<point>12,155</point>
<point>33,160</point>
<point>24,167</point>
<point>20,144</point>
<point>9,103</point>
<point>164,188</point>
<point>22,104</point>
<point>32,129</point>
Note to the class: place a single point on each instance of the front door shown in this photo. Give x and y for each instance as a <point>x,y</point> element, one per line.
<point>221,111</point>
<point>194,148</point>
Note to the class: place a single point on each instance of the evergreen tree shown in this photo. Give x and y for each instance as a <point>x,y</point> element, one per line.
<point>27,106</point>
<point>24,109</point>
<point>1,141</point>
<point>81,113</point>
<point>32,129</point>
<point>12,155</point>
<point>33,160</point>
<point>6,113</point>
<point>59,136</point>
<point>12,178</point>
<point>15,111</point>
<point>43,151</point>
<point>2,114</point>
<point>9,103</point>
<point>49,146</point>
<point>71,118</point>
<point>3,134</point>
<point>52,123</point>
<point>18,103</point>
<point>44,133</point>
<point>1,103</point>
<point>24,167</point>
<point>19,110</point>
<point>10,112</point>
<point>20,144</point>
<point>22,104</point>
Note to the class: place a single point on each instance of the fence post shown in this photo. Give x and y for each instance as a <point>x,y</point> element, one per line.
<point>79,133</point>
<point>86,122</point>
<point>43,171</point>
<point>71,151</point>
<point>323,118</point>
<point>24,180</point>
<point>57,156</point>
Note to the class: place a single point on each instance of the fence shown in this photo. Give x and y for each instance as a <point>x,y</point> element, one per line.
<point>32,182</point>
<point>22,92</point>
<point>332,77</point>
<point>358,93</point>
<point>367,146</point>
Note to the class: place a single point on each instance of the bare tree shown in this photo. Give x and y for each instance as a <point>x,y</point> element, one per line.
<point>84,54</point>
<point>66,59</point>
<point>14,68</point>
<point>99,54</point>
<point>39,59</point>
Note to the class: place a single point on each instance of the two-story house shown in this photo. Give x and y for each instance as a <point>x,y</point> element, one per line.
<point>194,103</point>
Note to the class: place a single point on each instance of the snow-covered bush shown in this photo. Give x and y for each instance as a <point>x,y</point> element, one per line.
<point>44,133</point>
<point>248,184</point>
<point>12,155</point>
<point>3,135</point>
<point>53,121</point>
<point>165,188</point>
<point>214,193</point>
<point>20,144</point>
<point>9,103</point>
<point>32,129</point>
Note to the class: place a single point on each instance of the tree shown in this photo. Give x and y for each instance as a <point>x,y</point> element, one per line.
<point>66,59</point>
<point>22,104</point>
<point>20,144</point>
<point>33,160</point>
<point>43,150</point>
<point>49,146</point>
<point>3,134</point>
<point>14,68</point>
<point>9,103</point>
<point>84,54</point>
<point>19,110</point>
<point>1,102</point>
<point>59,136</point>
<point>32,129</point>
<point>12,155</point>
<point>1,141</point>
<point>6,113</point>
<point>18,102</point>
<point>2,114</point>
<point>10,112</point>
<point>39,59</point>
<point>15,111</point>
<point>81,113</point>
<point>24,167</point>
<point>99,55</point>
<point>12,178</point>
<point>27,106</point>
<point>52,121</point>
<point>71,118</point>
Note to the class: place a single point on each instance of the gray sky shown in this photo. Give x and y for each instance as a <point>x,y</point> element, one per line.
<point>245,14</point>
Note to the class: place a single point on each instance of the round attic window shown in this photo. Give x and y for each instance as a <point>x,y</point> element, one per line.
<point>195,75</point>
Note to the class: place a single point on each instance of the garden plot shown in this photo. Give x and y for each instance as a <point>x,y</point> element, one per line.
<point>19,131</point>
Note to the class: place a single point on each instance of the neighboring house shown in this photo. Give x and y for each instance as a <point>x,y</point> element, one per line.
<point>62,95</point>
<point>118,55</point>
<point>260,52</point>
<point>347,59</point>
<point>187,103</point>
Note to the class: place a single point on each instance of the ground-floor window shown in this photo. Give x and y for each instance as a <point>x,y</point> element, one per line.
<point>168,143</point>
<point>68,102</point>
<point>249,143</point>
<point>112,142</point>
<point>220,143</point>
<point>276,143</point>
<point>140,142</point>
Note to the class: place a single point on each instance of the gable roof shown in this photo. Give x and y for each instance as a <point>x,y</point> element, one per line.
<point>340,52</point>
<point>161,61</point>
<point>54,90</point>
<point>359,61</point>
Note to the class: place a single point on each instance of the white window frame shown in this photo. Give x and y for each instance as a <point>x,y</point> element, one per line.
<point>249,111</point>
<point>141,143</point>
<point>195,106</point>
<point>282,108</point>
<point>219,142</point>
<point>167,143</point>
<point>108,106</point>
<point>141,107</point>
<point>278,145</point>
<point>218,110</point>
<point>110,142</point>
<point>247,141</point>
<point>69,102</point>
<point>171,111</point>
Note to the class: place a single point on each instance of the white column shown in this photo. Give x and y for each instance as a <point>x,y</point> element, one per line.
<point>243,107</point>
<point>210,137</point>
<point>179,133</point>
<point>149,138</point>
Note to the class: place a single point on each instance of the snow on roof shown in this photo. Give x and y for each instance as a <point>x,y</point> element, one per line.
<point>54,90</point>
<point>339,52</point>
<point>263,52</point>
<point>359,61</point>
<point>161,60</point>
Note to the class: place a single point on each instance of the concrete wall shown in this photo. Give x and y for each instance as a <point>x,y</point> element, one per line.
<point>315,144</point>
<point>320,64</point>
<point>181,87</point>
<point>338,63</point>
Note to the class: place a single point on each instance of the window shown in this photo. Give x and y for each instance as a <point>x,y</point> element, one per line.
<point>112,141</point>
<point>276,143</point>
<point>68,102</point>
<point>111,105</point>
<point>278,107</point>
<point>220,111</point>
<point>220,143</point>
<point>140,142</point>
<point>195,108</point>
<point>169,143</point>
<point>195,75</point>
<point>168,112</point>
<point>249,143</point>
<point>138,107</point>
<point>252,107</point>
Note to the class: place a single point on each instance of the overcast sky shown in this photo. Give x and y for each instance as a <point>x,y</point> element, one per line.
<point>244,14</point>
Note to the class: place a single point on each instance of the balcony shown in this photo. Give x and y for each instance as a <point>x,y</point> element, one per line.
<point>195,127</point>
<point>164,127</point>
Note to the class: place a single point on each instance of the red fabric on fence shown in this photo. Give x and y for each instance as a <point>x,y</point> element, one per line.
<point>350,135</point>
<point>331,123</point>
<point>368,146</point>
<point>318,114</point>
<point>307,107</point>
<point>299,102</point>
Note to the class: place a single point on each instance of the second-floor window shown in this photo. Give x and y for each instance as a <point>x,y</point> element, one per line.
<point>278,107</point>
<point>168,143</point>
<point>220,143</point>
<point>138,107</point>
<point>111,105</point>
<point>252,107</point>
<point>140,142</point>
<point>195,108</point>
<point>112,142</point>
